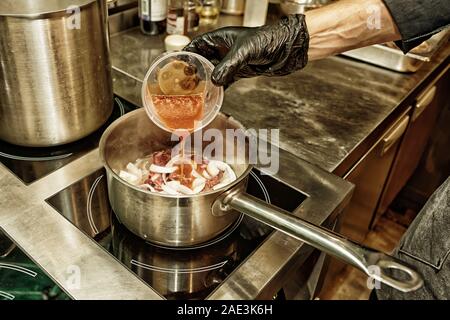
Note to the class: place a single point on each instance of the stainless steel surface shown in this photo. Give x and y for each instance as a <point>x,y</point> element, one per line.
<point>57,246</point>
<point>364,259</point>
<point>84,210</point>
<point>123,17</point>
<point>55,80</point>
<point>234,7</point>
<point>386,57</point>
<point>395,59</point>
<point>301,6</point>
<point>167,220</point>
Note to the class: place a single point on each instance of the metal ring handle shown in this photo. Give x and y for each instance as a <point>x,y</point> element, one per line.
<point>387,263</point>
<point>320,238</point>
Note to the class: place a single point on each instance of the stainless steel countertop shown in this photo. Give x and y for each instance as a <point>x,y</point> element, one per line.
<point>324,111</point>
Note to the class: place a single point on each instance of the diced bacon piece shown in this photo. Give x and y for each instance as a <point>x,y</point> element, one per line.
<point>161,158</point>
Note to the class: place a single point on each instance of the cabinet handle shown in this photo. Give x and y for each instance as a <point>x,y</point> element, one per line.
<point>394,135</point>
<point>423,102</point>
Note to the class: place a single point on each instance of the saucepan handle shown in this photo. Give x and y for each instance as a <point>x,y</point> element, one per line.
<point>373,263</point>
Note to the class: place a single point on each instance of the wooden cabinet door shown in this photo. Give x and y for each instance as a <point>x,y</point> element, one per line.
<point>369,176</point>
<point>424,116</point>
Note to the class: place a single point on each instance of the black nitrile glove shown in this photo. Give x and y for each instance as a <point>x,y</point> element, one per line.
<point>240,52</point>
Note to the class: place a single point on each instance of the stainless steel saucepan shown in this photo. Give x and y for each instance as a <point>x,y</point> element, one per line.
<point>181,221</point>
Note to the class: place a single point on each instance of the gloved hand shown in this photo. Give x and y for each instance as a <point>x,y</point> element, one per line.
<point>240,52</point>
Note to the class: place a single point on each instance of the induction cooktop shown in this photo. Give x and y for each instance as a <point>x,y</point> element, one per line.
<point>175,273</point>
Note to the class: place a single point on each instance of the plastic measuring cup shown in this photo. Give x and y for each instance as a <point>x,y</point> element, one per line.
<point>178,94</point>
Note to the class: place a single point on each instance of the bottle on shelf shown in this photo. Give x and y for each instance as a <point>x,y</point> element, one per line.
<point>175,17</point>
<point>152,16</point>
<point>192,9</point>
<point>210,11</point>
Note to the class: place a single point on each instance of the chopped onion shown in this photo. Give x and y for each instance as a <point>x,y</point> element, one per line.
<point>131,168</point>
<point>173,161</point>
<point>147,187</point>
<point>128,177</point>
<point>195,174</point>
<point>198,181</point>
<point>184,190</point>
<point>159,169</point>
<point>142,170</point>
<point>199,188</point>
<point>166,188</point>
<point>173,184</point>
<point>198,185</point>
<point>229,173</point>
<point>212,168</point>
<point>206,175</point>
<point>155,177</point>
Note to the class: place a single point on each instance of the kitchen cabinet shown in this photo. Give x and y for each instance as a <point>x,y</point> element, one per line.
<point>369,176</point>
<point>427,106</point>
<point>434,166</point>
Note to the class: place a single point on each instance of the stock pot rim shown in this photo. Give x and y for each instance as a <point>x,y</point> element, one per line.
<point>23,8</point>
<point>110,171</point>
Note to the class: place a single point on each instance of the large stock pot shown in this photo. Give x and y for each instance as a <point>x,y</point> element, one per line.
<point>183,221</point>
<point>55,71</point>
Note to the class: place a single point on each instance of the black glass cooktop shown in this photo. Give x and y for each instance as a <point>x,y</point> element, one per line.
<point>21,278</point>
<point>31,164</point>
<point>173,273</point>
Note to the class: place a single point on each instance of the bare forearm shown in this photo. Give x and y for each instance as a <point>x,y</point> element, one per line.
<point>348,24</point>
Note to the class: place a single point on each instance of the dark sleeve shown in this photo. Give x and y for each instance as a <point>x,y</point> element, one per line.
<point>426,247</point>
<point>418,20</point>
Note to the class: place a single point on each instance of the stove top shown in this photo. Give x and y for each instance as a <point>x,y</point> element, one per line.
<point>216,270</point>
<point>172,272</point>
<point>21,278</point>
<point>31,164</point>
<point>175,273</point>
